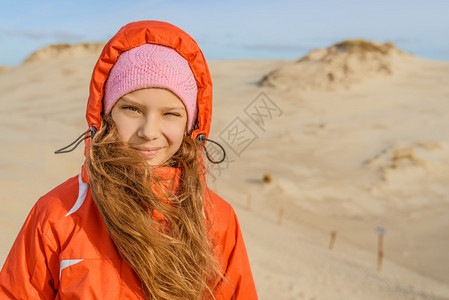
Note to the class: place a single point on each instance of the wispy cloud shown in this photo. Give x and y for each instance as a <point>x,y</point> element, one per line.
<point>32,34</point>
<point>58,35</point>
<point>275,47</point>
<point>64,35</point>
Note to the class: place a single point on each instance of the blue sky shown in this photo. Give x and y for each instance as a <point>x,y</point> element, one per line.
<point>231,29</point>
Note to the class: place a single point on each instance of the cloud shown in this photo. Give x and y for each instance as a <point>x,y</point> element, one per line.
<point>275,47</point>
<point>64,35</point>
<point>27,33</point>
<point>58,35</point>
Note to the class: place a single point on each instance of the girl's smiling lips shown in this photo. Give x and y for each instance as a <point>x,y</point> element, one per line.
<point>149,152</point>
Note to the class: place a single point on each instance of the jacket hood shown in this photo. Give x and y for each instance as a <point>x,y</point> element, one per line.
<point>155,32</point>
<point>149,32</point>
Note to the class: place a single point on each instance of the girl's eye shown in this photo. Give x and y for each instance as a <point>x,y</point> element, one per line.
<point>131,108</point>
<point>172,114</point>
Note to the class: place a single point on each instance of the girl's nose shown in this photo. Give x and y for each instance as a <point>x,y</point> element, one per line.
<point>149,129</point>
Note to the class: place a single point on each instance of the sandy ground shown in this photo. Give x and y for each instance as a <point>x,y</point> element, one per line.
<point>367,152</point>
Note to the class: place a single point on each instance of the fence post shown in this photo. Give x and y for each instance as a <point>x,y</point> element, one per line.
<point>380,247</point>
<point>332,242</point>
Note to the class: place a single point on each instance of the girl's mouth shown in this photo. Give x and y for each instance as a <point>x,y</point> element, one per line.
<point>148,152</point>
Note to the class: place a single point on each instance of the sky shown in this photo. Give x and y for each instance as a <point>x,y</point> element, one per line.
<point>284,29</point>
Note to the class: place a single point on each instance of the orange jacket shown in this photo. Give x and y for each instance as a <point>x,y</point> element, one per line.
<point>63,250</point>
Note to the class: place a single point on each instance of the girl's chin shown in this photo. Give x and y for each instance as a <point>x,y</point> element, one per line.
<point>157,161</point>
<point>156,156</point>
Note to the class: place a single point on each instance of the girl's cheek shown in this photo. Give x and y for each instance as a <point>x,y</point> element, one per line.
<point>175,129</point>
<point>175,134</point>
<point>126,129</point>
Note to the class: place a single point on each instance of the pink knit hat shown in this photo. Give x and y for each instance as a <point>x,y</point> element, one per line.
<point>152,65</point>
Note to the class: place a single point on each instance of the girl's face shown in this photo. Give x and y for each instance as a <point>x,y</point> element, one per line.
<point>152,121</point>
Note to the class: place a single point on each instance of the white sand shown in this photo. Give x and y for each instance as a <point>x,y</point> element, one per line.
<point>370,153</point>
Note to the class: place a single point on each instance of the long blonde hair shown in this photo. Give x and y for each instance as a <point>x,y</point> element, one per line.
<point>174,257</point>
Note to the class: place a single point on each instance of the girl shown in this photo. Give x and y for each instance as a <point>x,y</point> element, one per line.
<point>138,221</point>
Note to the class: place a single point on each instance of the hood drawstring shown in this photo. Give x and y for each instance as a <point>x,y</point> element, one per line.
<point>78,141</point>
<point>202,138</point>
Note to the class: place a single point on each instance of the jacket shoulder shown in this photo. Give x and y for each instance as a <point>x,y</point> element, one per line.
<point>57,203</point>
<point>223,217</point>
<point>220,206</point>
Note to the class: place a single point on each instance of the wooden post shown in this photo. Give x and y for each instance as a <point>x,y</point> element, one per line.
<point>280,216</point>
<point>380,247</point>
<point>332,242</point>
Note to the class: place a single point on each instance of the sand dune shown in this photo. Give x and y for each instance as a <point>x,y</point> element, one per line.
<point>64,52</point>
<point>337,67</point>
<point>367,149</point>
